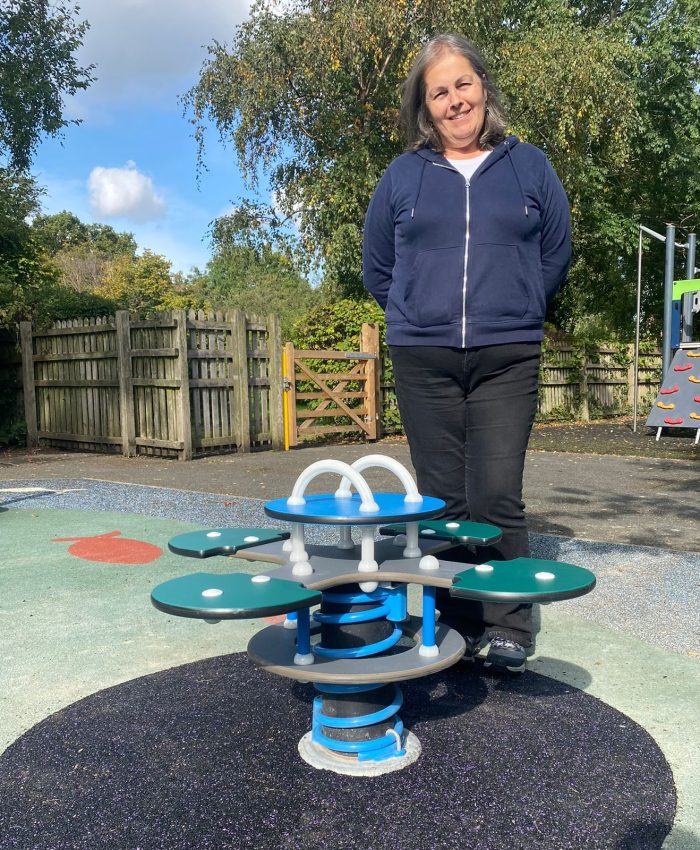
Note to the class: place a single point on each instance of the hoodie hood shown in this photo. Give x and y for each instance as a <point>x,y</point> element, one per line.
<point>502,149</point>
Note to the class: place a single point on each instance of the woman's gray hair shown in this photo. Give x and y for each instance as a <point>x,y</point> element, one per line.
<point>415,118</point>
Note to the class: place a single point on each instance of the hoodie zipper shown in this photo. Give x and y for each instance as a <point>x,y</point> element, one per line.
<point>466,252</point>
<point>466,257</point>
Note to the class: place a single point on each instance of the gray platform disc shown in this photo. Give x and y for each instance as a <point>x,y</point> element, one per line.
<point>332,566</point>
<point>273,649</point>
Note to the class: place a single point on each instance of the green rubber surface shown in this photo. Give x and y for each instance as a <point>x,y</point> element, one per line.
<point>222,541</point>
<point>475,533</point>
<point>233,596</point>
<point>523,580</point>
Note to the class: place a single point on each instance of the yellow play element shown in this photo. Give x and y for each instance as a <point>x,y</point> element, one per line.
<point>664,406</point>
<point>693,379</point>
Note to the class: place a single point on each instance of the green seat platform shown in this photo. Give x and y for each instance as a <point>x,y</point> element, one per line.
<point>464,533</point>
<point>523,580</point>
<point>233,596</point>
<point>222,541</point>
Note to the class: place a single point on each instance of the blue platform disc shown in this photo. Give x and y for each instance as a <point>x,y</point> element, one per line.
<point>466,533</point>
<point>222,541</point>
<point>523,580</point>
<point>234,596</point>
<point>326,509</point>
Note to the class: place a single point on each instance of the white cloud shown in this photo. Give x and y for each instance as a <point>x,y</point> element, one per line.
<point>149,50</point>
<point>124,193</point>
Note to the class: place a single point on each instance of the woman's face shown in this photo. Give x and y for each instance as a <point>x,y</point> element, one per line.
<point>455,97</point>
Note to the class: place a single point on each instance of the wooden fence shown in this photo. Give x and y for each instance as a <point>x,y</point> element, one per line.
<point>186,385</point>
<point>175,386</point>
<point>575,383</point>
<point>585,383</point>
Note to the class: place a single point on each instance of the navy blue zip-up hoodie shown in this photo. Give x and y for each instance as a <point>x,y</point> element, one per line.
<point>463,264</point>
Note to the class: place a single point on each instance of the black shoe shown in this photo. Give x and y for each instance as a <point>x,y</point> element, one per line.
<point>473,646</point>
<point>506,654</point>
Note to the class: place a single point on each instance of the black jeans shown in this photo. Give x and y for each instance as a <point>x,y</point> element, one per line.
<point>467,414</point>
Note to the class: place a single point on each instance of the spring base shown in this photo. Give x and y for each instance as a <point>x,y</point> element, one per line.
<point>322,758</point>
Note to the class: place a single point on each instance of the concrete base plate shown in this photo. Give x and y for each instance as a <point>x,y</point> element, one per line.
<point>323,759</point>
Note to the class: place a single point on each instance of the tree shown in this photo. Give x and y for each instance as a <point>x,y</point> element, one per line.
<point>38,42</point>
<point>63,231</point>
<point>25,272</point>
<point>30,281</point>
<point>81,251</point>
<point>308,94</point>
<point>142,284</point>
<point>259,281</point>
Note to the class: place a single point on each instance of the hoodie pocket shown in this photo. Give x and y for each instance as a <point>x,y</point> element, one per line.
<point>503,285</point>
<point>433,293</point>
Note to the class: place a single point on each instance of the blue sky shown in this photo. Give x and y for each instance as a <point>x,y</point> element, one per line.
<point>132,161</point>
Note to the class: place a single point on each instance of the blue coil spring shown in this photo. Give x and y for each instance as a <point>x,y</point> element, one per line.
<point>390,605</point>
<point>389,745</point>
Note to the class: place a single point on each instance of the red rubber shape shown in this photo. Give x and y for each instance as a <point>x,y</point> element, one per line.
<point>683,368</point>
<point>669,390</point>
<point>669,421</point>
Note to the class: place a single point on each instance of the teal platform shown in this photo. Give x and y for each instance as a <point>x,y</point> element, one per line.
<point>523,580</point>
<point>233,596</point>
<point>464,533</point>
<point>222,541</point>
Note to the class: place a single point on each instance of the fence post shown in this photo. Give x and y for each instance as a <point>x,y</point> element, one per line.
<point>369,344</point>
<point>290,387</point>
<point>27,342</point>
<point>184,425</point>
<point>274,351</point>
<point>239,379</point>
<point>126,389</point>
<point>583,386</point>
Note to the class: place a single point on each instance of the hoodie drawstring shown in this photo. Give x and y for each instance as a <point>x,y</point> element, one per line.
<point>420,184</point>
<point>517,178</point>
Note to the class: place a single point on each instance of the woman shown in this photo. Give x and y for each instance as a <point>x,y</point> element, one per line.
<point>467,238</point>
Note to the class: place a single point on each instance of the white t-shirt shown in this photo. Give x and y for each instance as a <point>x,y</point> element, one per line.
<point>467,167</point>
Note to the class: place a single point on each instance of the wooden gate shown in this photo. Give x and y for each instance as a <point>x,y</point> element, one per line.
<point>340,387</point>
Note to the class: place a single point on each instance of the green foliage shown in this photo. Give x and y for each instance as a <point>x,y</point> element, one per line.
<point>12,427</point>
<point>258,280</point>
<point>26,274</point>
<point>142,285</point>
<point>64,231</point>
<point>337,326</point>
<point>82,253</point>
<point>38,42</point>
<point>308,94</point>
<point>60,302</point>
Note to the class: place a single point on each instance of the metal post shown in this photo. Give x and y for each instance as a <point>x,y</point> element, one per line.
<point>687,298</point>
<point>655,235</point>
<point>668,299</point>
<point>636,333</point>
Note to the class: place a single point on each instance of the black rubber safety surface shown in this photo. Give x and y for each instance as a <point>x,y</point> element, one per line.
<point>205,756</point>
